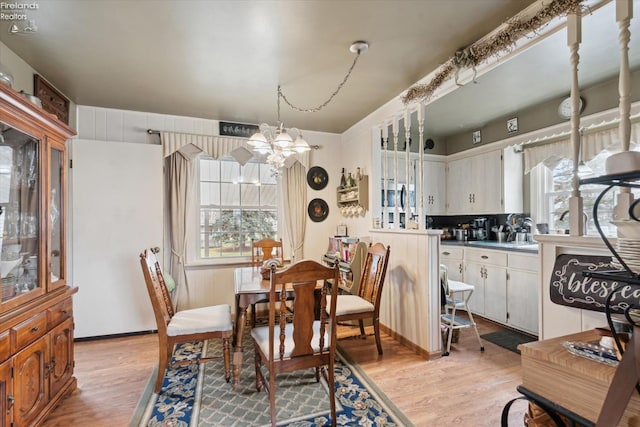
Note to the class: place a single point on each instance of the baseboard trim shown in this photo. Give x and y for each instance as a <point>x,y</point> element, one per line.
<point>408,343</point>
<point>106,337</point>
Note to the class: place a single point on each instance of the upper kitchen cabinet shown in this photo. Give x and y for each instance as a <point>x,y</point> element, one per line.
<point>434,192</point>
<point>36,306</point>
<point>485,183</point>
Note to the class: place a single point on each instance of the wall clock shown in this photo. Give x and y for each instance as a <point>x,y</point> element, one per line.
<point>564,109</point>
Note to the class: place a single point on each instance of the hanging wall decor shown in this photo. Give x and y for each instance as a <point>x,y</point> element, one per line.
<point>318,210</point>
<point>317,178</point>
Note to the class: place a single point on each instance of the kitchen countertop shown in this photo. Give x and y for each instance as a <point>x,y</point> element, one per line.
<point>531,247</point>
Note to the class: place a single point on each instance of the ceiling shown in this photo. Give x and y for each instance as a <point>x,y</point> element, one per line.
<point>223,59</point>
<point>538,74</point>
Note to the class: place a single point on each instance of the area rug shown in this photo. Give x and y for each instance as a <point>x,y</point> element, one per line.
<point>198,395</point>
<point>508,339</point>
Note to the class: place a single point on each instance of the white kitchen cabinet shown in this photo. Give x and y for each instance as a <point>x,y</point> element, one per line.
<point>434,192</point>
<point>506,283</point>
<point>459,185</point>
<point>522,292</point>
<point>474,275</point>
<point>451,257</point>
<point>486,183</point>
<point>486,270</point>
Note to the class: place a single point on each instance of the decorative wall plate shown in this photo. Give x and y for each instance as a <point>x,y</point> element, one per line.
<point>317,178</point>
<point>318,210</point>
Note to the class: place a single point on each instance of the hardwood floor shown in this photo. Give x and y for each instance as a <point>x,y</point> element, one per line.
<point>467,388</point>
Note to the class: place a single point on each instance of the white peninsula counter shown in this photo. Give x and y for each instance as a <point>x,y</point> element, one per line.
<point>410,306</point>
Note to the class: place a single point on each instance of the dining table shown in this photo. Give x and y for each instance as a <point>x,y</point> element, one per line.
<point>250,288</point>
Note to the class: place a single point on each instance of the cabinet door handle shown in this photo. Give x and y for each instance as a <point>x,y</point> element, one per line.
<point>11,400</point>
<point>469,197</point>
<point>484,257</point>
<point>34,329</point>
<point>63,311</point>
<point>446,253</point>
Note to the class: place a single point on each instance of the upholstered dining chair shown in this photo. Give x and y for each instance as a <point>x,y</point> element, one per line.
<point>175,327</point>
<point>366,304</point>
<point>261,251</point>
<point>305,342</point>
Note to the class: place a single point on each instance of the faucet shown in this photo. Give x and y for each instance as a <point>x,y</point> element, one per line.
<point>584,222</point>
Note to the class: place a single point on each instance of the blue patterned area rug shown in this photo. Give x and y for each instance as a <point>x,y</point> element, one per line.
<point>198,395</point>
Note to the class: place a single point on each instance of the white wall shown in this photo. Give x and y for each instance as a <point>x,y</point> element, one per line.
<point>214,284</point>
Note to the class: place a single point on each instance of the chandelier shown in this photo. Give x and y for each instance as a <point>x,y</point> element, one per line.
<point>278,143</point>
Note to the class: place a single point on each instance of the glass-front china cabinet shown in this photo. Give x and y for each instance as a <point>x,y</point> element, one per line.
<point>36,310</point>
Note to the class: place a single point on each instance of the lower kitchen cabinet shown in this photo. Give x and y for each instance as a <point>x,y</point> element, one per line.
<point>452,258</point>
<point>506,283</point>
<point>523,285</point>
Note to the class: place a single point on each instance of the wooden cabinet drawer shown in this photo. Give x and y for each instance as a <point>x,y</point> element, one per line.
<point>59,312</point>
<point>451,252</point>
<point>486,257</point>
<point>524,262</point>
<point>28,331</point>
<point>5,346</point>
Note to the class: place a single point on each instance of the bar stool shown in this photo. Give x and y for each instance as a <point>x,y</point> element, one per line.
<point>457,295</point>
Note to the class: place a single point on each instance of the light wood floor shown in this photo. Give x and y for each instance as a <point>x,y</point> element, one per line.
<point>467,388</point>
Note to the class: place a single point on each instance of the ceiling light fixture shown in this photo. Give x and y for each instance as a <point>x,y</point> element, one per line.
<point>278,143</point>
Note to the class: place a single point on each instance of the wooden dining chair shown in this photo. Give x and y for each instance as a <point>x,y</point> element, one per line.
<point>366,304</point>
<point>264,249</point>
<point>261,251</point>
<point>175,327</point>
<point>306,342</point>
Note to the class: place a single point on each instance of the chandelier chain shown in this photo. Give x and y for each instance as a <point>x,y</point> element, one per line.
<point>324,104</point>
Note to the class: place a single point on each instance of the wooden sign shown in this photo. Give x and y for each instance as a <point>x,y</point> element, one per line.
<point>569,286</point>
<point>237,129</point>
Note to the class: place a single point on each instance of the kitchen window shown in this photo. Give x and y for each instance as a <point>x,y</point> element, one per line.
<point>236,204</point>
<point>554,191</point>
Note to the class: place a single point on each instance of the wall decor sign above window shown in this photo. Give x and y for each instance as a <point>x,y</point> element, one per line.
<point>512,125</point>
<point>318,210</point>
<point>237,129</point>
<point>476,137</point>
<point>317,178</point>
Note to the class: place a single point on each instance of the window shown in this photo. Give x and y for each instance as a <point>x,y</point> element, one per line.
<point>236,204</point>
<point>556,192</point>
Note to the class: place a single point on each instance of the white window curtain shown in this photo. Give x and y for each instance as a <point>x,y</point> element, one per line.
<point>550,150</point>
<point>295,204</point>
<point>183,149</point>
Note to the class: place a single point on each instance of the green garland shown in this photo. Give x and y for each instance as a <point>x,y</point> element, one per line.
<point>481,51</point>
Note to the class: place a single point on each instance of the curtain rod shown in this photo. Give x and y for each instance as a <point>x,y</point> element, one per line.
<point>157,132</point>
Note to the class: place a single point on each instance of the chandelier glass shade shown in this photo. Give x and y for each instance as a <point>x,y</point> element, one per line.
<point>278,144</point>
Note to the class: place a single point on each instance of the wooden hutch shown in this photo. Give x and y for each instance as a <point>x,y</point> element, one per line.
<point>36,310</point>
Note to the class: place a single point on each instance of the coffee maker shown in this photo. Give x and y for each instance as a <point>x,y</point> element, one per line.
<point>479,229</point>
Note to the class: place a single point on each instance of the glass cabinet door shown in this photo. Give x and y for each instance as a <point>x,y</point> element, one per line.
<point>55,214</point>
<point>20,216</point>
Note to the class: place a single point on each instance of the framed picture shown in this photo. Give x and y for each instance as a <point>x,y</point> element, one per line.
<point>512,125</point>
<point>476,137</point>
<point>341,230</point>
